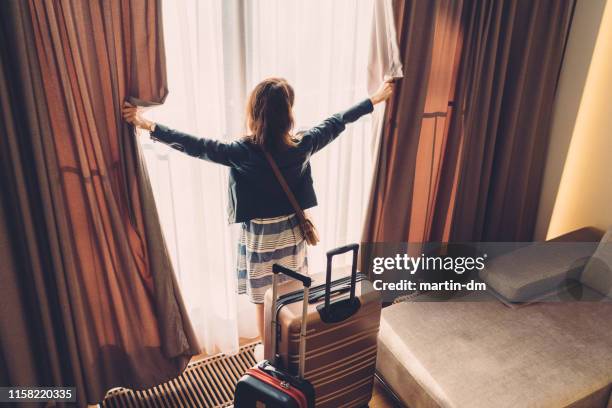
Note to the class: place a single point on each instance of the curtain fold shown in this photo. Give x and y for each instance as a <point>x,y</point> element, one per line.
<point>204,43</point>
<point>462,154</point>
<point>395,183</point>
<point>95,287</point>
<point>384,56</point>
<point>498,143</point>
<point>384,63</point>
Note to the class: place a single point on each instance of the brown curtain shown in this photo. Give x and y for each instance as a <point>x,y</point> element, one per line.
<point>429,42</point>
<point>463,153</point>
<point>87,274</point>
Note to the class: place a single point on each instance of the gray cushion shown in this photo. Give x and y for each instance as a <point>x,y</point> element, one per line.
<point>597,273</point>
<point>531,272</point>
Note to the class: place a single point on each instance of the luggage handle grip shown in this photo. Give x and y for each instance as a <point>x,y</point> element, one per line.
<point>306,280</point>
<point>330,256</point>
<point>342,250</point>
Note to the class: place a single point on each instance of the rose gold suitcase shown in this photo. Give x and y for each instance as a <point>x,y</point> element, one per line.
<point>341,340</point>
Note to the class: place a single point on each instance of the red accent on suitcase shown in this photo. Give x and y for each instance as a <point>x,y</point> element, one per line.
<point>293,392</point>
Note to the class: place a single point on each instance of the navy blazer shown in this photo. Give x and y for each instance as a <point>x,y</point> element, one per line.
<point>254,192</point>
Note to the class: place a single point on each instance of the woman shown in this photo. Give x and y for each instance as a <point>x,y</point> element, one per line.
<point>270,230</point>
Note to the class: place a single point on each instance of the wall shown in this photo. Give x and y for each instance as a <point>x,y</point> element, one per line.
<point>577,185</point>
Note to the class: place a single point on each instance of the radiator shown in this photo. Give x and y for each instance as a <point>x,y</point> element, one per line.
<point>208,382</point>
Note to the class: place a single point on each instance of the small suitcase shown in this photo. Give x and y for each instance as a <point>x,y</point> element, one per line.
<point>341,341</point>
<point>265,383</point>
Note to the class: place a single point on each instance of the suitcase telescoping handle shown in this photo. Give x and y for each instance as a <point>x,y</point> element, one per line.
<point>306,281</point>
<point>342,309</point>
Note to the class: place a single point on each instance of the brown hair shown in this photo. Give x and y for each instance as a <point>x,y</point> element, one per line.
<point>269,114</point>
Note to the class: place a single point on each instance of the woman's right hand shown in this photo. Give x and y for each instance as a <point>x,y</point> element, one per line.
<point>133,115</point>
<point>383,93</point>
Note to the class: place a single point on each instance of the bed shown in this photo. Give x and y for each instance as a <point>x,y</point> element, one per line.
<point>485,354</point>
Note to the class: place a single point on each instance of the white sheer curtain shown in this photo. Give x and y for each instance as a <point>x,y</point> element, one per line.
<point>216,52</point>
<point>321,47</point>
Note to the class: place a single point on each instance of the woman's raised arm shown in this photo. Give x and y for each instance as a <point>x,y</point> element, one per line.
<point>228,154</point>
<point>321,135</point>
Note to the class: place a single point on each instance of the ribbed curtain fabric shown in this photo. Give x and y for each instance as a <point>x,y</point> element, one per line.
<point>498,138</point>
<point>463,149</point>
<point>389,213</point>
<point>86,278</point>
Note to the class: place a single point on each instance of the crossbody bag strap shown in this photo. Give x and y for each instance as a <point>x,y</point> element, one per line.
<point>281,180</point>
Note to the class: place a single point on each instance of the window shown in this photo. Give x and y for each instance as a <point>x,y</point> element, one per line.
<point>216,52</point>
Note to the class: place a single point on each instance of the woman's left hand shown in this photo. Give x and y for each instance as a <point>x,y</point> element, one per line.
<point>133,115</point>
<point>383,93</point>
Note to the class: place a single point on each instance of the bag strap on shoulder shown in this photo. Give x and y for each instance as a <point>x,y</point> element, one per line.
<point>281,180</point>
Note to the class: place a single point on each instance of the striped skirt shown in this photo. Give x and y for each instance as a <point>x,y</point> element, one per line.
<point>264,242</point>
